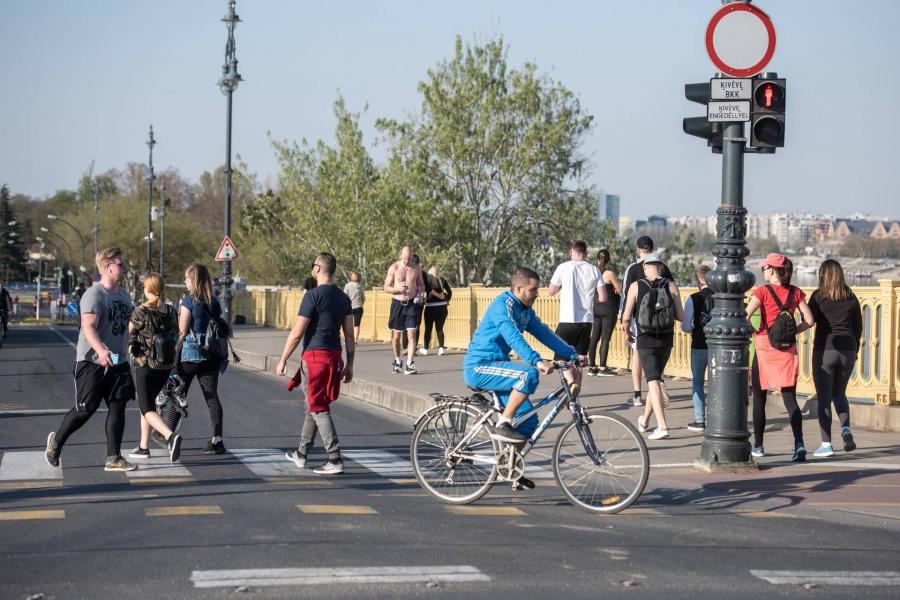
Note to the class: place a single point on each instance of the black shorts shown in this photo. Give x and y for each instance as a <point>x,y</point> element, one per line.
<point>575,334</point>
<point>149,383</point>
<point>357,316</point>
<point>653,362</point>
<point>94,383</point>
<point>404,315</point>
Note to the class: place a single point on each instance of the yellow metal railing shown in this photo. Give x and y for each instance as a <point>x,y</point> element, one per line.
<point>876,376</point>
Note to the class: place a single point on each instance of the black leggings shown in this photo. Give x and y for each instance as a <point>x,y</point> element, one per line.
<point>831,374</point>
<point>148,383</point>
<point>601,331</point>
<point>207,372</point>
<point>435,316</point>
<point>788,394</point>
<point>115,424</point>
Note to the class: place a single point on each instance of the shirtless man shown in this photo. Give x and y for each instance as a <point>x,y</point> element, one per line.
<point>406,285</point>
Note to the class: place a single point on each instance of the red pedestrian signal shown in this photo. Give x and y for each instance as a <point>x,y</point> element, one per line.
<point>767,113</point>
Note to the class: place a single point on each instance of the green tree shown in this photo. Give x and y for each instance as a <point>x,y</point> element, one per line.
<point>493,158</point>
<point>12,243</point>
<point>679,255</point>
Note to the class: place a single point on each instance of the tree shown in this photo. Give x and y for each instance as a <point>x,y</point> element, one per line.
<point>12,244</point>
<point>494,159</point>
<point>678,255</point>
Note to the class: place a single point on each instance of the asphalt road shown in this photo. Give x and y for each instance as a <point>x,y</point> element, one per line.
<point>247,524</point>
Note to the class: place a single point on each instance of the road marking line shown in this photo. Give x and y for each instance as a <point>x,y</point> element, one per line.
<point>267,462</point>
<point>296,481</point>
<point>336,509</point>
<point>27,465</point>
<point>641,512</point>
<point>33,412</point>
<point>671,465</point>
<point>870,578</point>
<point>348,575</point>
<point>765,514</point>
<point>842,503</point>
<point>158,466</point>
<point>29,485</point>
<point>182,511</point>
<point>65,339</point>
<point>381,462</point>
<point>28,515</point>
<point>488,511</point>
<point>160,480</point>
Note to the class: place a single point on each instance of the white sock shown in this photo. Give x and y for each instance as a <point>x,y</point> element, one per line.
<point>216,439</point>
<point>503,420</point>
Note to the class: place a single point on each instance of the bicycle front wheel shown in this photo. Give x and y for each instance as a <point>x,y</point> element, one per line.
<point>454,473</point>
<point>624,464</point>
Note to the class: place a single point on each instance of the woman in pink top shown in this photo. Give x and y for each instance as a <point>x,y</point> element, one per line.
<point>776,368</point>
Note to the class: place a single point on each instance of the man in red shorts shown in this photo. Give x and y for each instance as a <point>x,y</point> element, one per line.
<point>324,310</point>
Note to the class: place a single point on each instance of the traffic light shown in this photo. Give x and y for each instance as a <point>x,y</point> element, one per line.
<point>767,113</point>
<point>700,126</point>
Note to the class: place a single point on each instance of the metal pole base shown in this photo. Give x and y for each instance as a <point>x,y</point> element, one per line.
<point>725,467</point>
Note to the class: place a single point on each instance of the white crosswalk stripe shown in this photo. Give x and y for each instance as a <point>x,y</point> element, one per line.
<point>158,465</point>
<point>381,462</point>
<point>19,466</point>
<point>867,578</point>
<point>268,462</point>
<point>346,576</point>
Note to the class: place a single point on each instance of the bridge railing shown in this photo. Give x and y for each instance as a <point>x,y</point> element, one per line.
<point>876,376</point>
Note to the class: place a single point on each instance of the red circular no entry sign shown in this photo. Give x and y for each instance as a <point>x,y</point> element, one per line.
<point>740,39</point>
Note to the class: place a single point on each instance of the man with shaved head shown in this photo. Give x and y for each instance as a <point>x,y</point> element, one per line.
<point>406,285</point>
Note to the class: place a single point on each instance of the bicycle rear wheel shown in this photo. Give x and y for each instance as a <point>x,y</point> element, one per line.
<point>457,477</point>
<point>619,479</point>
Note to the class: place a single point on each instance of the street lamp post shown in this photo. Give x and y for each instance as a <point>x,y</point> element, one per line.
<point>37,302</point>
<point>95,190</point>
<point>165,202</point>
<point>150,179</point>
<point>228,84</point>
<point>78,233</point>
<point>64,241</point>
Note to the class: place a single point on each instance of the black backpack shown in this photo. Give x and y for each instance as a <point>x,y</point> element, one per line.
<point>656,312</point>
<point>215,342</point>
<point>706,309</point>
<point>783,332</point>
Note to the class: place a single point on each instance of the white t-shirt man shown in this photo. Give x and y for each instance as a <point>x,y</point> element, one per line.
<point>577,281</point>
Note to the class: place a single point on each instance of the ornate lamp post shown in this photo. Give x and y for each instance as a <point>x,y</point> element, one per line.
<point>150,179</point>
<point>164,204</point>
<point>95,191</point>
<point>228,84</point>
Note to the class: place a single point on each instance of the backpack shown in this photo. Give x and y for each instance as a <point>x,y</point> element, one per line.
<point>447,289</point>
<point>656,312</point>
<point>783,332</point>
<point>706,309</point>
<point>215,342</point>
<point>162,353</point>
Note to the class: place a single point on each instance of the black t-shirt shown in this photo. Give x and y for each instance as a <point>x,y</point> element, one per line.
<point>838,324</point>
<point>325,306</point>
<point>200,312</point>
<point>634,272</point>
<point>700,301</point>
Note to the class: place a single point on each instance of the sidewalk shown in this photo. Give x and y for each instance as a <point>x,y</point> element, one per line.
<point>866,481</point>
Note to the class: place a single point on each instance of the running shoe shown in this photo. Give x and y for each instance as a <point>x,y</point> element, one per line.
<point>442,351</point>
<point>51,454</point>
<point>605,372</point>
<point>642,424</point>
<point>139,453</point>
<point>849,444</point>
<point>397,366</point>
<point>295,457</point>
<point>799,452</point>
<point>215,448</point>
<point>659,434</point>
<point>635,401</point>
<point>117,463</point>
<point>174,445</point>
<point>410,369</point>
<point>697,426</point>
<point>504,432</point>
<point>592,372</point>
<point>824,451</point>
<point>758,452</point>
<point>423,351</point>
<point>331,468</point>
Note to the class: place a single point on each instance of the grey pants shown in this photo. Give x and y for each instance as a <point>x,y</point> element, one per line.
<point>831,373</point>
<point>319,422</point>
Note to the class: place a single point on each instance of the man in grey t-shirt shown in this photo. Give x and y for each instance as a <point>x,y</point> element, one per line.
<point>101,362</point>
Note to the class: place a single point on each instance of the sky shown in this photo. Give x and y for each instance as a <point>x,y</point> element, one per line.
<point>84,80</point>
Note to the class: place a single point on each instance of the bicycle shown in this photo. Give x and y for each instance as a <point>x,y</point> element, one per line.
<point>600,461</point>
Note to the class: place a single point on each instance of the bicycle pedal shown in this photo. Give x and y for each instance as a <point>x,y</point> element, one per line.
<point>524,481</point>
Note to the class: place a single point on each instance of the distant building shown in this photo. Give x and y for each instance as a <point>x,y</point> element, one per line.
<point>625,225</point>
<point>608,208</point>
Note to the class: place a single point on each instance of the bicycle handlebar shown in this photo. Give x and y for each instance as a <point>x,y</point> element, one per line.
<point>566,364</point>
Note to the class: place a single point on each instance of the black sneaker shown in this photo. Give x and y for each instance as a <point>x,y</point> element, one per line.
<point>410,369</point>
<point>605,372</point>
<point>174,445</point>
<point>697,426</point>
<point>397,366</point>
<point>117,463</point>
<point>139,453</point>
<point>592,372</point>
<point>504,432</point>
<point>849,444</point>
<point>217,448</point>
<point>51,454</point>
<point>799,452</point>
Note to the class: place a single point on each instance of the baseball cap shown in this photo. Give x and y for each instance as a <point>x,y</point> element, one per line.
<point>645,242</point>
<point>772,260</point>
<point>653,257</point>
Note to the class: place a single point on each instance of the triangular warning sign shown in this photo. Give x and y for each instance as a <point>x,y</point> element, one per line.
<point>227,251</point>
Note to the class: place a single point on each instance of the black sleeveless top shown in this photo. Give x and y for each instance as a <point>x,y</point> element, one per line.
<point>610,306</point>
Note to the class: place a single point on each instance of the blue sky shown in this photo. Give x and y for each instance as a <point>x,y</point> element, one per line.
<point>83,81</point>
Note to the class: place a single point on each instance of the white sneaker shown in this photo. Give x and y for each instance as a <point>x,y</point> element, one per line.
<point>642,424</point>
<point>295,457</point>
<point>423,351</point>
<point>441,351</point>
<point>659,434</point>
<point>330,468</point>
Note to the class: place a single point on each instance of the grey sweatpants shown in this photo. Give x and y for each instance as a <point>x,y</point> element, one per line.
<point>831,374</point>
<point>318,422</point>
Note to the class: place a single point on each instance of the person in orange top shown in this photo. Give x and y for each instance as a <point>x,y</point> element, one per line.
<point>777,367</point>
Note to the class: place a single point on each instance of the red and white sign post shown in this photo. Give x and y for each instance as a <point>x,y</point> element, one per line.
<point>740,39</point>
<point>226,251</point>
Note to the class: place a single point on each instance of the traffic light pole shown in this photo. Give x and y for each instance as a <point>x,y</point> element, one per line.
<point>726,445</point>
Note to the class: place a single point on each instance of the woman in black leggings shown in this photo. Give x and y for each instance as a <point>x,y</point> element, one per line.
<point>436,310</point>
<point>197,307</point>
<point>605,316</point>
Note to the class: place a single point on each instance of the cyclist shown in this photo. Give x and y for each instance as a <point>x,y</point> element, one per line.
<point>487,365</point>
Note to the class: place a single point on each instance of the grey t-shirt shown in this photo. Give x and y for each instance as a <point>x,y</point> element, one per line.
<point>356,292</point>
<point>113,310</point>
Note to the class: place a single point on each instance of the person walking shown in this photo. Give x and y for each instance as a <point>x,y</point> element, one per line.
<point>604,317</point>
<point>357,294</point>
<point>153,350</point>
<point>436,309</point>
<point>654,304</point>
<point>101,363</point>
<point>579,284</point>
<point>776,365</point>
<point>196,310</point>
<point>6,306</point>
<point>324,311</point>
<point>838,319</point>
<point>634,272</point>
<point>406,285</point>
<point>697,313</point>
